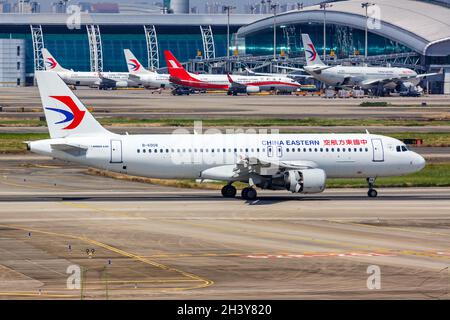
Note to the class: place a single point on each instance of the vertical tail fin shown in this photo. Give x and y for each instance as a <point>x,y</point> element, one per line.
<point>133,64</point>
<point>176,70</point>
<point>50,62</point>
<point>312,57</point>
<point>64,112</point>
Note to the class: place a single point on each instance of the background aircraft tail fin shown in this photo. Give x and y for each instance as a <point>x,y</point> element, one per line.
<point>311,54</point>
<point>133,64</point>
<point>50,62</point>
<point>65,114</point>
<point>176,70</point>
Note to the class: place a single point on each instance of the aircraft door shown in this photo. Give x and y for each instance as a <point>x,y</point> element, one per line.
<point>378,151</point>
<point>116,151</point>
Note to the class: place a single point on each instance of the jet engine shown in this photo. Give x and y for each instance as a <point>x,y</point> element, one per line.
<point>253,89</point>
<point>305,181</point>
<point>121,84</point>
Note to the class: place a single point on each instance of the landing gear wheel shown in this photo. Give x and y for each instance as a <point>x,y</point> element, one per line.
<point>249,193</point>
<point>252,194</point>
<point>228,191</point>
<point>372,193</point>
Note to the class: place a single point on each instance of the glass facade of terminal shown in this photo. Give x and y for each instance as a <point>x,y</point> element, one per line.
<point>71,47</point>
<point>342,40</point>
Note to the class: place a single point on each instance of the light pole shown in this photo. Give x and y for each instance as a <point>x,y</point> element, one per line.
<point>366,6</point>
<point>274,8</point>
<point>324,6</point>
<point>228,9</point>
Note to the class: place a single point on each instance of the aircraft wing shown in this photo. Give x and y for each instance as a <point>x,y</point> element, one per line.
<point>134,78</point>
<point>254,164</point>
<point>315,68</point>
<point>289,68</point>
<point>234,84</point>
<point>374,82</point>
<point>107,81</point>
<point>430,74</point>
<point>397,79</point>
<point>290,75</point>
<point>247,167</point>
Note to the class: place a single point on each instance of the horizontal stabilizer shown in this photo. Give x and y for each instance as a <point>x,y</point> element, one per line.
<point>68,147</point>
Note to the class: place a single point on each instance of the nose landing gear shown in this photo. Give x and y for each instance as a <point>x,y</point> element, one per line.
<point>372,193</point>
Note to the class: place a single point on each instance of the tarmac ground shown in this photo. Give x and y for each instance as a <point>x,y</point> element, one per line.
<point>138,241</point>
<point>24,102</point>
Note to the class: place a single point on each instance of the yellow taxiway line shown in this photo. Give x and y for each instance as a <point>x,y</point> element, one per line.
<point>192,277</point>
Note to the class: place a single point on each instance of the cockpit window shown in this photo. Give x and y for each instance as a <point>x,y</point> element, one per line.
<point>399,149</point>
<point>404,148</point>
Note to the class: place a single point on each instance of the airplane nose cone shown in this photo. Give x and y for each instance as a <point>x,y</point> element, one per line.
<point>419,162</point>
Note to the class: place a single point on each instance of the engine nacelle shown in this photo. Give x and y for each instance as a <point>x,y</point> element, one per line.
<point>253,89</point>
<point>305,181</point>
<point>121,84</point>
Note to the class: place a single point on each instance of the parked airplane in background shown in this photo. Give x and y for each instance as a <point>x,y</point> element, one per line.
<point>361,76</point>
<point>240,83</point>
<point>299,163</point>
<point>294,76</point>
<point>102,80</point>
<point>144,77</point>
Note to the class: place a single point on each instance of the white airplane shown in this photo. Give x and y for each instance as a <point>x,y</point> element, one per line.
<point>361,76</point>
<point>143,76</point>
<point>239,84</point>
<point>299,163</point>
<point>289,75</point>
<point>101,80</point>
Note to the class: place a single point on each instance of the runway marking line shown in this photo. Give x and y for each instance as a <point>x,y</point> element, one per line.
<point>193,278</point>
<point>323,254</point>
<point>391,228</point>
<point>35,186</point>
<point>375,249</point>
<point>280,236</point>
<point>16,272</point>
<point>89,207</point>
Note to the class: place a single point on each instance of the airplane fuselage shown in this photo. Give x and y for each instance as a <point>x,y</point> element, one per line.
<point>186,156</point>
<point>93,78</point>
<point>155,80</point>
<point>358,76</point>
<point>220,81</point>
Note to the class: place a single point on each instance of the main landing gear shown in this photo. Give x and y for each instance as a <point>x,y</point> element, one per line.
<point>249,193</point>
<point>228,191</point>
<point>372,193</point>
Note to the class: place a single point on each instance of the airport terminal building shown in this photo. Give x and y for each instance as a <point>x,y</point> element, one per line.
<point>410,33</point>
